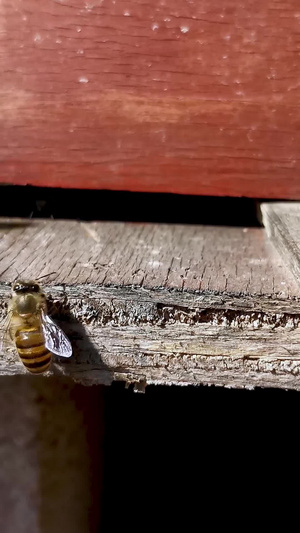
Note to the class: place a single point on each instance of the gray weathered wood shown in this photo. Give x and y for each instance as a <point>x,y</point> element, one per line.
<point>150,303</point>
<point>282,222</point>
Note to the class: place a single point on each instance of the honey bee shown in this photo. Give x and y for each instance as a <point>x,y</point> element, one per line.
<point>33,332</point>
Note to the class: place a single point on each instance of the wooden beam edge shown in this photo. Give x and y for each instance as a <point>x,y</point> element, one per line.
<point>144,338</point>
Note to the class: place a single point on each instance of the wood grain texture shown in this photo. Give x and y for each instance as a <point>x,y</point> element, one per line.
<point>186,97</point>
<point>150,303</point>
<point>282,222</point>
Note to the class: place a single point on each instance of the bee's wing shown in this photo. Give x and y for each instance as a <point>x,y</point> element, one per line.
<point>55,339</point>
<point>5,339</point>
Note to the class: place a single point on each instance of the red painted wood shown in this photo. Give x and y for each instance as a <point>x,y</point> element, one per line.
<point>185,96</point>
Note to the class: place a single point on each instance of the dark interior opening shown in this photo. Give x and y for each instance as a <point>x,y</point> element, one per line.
<point>36,202</point>
<point>199,458</point>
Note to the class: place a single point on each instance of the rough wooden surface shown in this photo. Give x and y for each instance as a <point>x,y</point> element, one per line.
<point>282,222</point>
<point>150,303</point>
<point>189,97</point>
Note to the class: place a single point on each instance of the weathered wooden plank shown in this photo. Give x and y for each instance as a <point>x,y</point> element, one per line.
<point>152,303</point>
<point>282,222</point>
<point>187,97</point>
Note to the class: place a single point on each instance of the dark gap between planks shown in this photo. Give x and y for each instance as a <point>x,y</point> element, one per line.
<point>36,202</point>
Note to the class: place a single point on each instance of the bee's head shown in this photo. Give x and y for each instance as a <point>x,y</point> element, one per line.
<point>27,296</point>
<point>25,287</point>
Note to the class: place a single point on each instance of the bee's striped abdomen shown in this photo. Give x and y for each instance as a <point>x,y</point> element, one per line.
<point>30,344</point>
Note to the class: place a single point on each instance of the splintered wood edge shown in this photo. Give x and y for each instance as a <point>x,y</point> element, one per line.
<point>166,337</point>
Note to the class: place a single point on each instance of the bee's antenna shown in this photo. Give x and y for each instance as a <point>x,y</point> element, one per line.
<point>17,276</point>
<point>45,276</point>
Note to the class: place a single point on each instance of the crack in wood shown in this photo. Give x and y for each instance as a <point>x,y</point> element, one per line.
<point>102,312</point>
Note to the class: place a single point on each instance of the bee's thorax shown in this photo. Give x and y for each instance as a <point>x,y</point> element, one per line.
<point>26,304</point>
